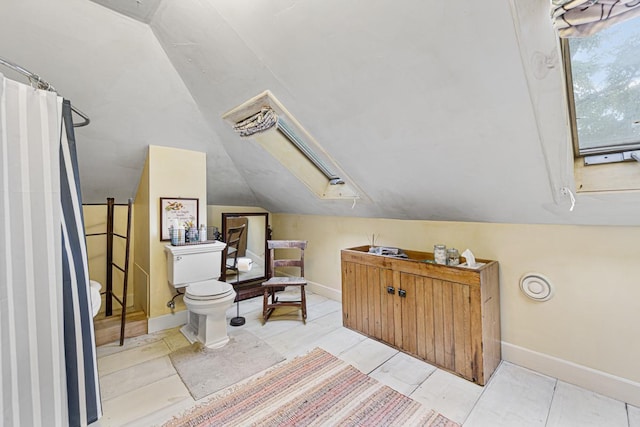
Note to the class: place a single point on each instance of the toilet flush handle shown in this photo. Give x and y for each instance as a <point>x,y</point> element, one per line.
<point>178,258</point>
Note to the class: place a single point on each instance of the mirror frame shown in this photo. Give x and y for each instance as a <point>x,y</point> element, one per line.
<point>223,273</point>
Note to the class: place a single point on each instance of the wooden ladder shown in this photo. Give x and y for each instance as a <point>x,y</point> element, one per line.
<point>110,296</point>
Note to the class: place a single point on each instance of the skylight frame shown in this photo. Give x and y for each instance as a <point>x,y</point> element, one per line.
<point>604,152</point>
<point>314,167</point>
<point>289,133</point>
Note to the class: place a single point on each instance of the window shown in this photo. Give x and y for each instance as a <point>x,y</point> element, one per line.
<point>603,81</point>
<point>265,120</point>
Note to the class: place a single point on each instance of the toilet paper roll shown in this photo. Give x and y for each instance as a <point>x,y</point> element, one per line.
<point>244,264</point>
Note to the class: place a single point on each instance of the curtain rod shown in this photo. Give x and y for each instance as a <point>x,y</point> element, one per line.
<point>36,81</point>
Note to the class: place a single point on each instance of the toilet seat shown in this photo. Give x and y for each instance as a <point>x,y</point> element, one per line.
<point>208,290</point>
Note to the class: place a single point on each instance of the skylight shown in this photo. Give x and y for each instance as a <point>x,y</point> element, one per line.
<point>604,87</point>
<point>265,120</point>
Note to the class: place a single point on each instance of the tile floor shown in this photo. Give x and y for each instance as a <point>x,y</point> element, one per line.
<point>140,387</point>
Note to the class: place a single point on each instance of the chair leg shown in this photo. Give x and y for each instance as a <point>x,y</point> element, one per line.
<point>265,302</point>
<point>303,300</point>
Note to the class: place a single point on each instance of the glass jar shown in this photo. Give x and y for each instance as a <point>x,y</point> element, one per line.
<point>453,257</point>
<point>440,254</point>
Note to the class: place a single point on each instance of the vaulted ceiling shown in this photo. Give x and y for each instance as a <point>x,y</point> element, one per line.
<point>436,110</point>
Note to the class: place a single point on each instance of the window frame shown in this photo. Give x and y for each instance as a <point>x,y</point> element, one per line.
<point>568,76</point>
<point>594,155</point>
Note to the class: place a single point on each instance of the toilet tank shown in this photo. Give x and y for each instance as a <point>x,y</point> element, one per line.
<point>193,263</point>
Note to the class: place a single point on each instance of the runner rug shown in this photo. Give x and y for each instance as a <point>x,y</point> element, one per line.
<point>317,389</point>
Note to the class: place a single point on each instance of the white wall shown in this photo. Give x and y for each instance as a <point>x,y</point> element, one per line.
<point>114,69</point>
<point>436,110</point>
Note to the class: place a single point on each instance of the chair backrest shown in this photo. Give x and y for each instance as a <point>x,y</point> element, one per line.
<point>234,235</point>
<point>272,245</point>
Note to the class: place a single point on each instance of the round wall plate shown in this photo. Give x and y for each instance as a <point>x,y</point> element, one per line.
<point>536,286</point>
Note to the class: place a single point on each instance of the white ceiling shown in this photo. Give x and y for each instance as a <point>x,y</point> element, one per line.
<point>437,110</point>
<point>142,10</point>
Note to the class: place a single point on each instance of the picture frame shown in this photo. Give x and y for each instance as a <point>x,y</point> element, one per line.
<point>185,210</point>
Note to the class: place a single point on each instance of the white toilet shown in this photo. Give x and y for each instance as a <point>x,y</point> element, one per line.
<point>195,269</point>
<point>96,299</point>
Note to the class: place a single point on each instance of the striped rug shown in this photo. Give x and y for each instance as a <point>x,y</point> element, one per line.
<point>312,390</point>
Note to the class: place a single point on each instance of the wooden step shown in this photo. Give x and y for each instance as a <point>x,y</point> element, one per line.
<point>107,329</point>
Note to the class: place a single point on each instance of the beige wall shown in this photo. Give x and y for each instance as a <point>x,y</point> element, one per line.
<point>591,321</point>
<point>142,261</point>
<point>172,173</point>
<point>95,221</point>
<point>214,213</point>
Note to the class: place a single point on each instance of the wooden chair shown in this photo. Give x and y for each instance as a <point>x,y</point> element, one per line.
<point>234,236</point>
<point>276,283</point>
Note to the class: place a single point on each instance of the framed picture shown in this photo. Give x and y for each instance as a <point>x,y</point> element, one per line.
<point>185,211</point>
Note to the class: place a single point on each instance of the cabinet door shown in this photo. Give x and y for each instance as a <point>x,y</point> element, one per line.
<point>374,301</point>
<point>463,333</point>
<point>368,297</point>
<point>361,298</point>
<point>349,295</point>
<point>452,327</point>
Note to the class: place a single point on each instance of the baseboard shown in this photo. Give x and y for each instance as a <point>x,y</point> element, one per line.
<point>601,382</point>
<point>325,291</point>
<point>167,321</point>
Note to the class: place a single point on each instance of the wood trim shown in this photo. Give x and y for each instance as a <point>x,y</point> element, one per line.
<point>416,264</point>
<point>606,178</point>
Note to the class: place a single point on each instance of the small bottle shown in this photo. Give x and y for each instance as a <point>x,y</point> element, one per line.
<point>192,235</point>
<point>440,254</point>
<point>181,236</point>
<point>453,257</point>
<point>203,233</point>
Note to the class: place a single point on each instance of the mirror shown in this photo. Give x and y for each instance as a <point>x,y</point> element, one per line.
<point>252,252</point>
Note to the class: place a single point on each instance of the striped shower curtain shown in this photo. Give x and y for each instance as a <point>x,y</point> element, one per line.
<point>83,392</point>
<point>47,355</point>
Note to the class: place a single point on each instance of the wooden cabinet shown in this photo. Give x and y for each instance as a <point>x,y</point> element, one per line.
<point>448,316</point>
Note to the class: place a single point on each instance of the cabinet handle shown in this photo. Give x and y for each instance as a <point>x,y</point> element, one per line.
<point>391,290</point>
<point>402,293</point>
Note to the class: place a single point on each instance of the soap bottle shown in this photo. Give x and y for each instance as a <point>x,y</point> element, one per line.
<point>203,233</point>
